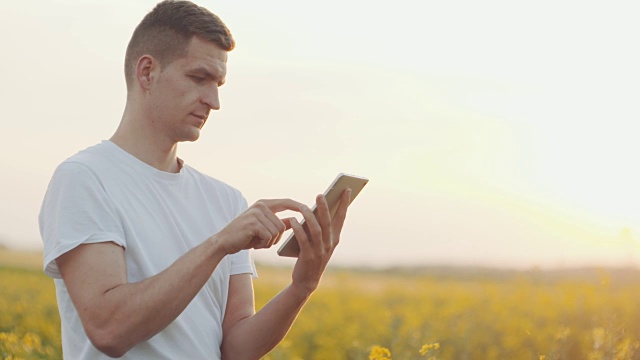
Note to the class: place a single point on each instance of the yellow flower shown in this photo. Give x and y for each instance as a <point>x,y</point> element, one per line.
<point>380,353</point>
<point>425,349</point>
<point>428,347</point>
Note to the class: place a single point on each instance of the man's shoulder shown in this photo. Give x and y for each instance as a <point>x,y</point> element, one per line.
<point>95,162</point>
<point>90,156</point>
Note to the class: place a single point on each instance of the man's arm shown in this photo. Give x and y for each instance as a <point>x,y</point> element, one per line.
<point>250,335</point>
<point>117,315</point>
<point>263,330</point>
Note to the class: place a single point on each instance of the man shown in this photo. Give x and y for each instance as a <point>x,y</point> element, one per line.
<point>150,257</point>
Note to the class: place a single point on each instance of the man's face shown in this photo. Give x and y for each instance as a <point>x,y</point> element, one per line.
<point>186,90</point>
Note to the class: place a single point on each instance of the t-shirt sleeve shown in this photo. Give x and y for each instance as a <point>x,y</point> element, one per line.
<point>242,262</point>
<point>76,210</point>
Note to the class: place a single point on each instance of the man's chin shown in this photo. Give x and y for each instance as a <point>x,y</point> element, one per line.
<point>190,136</point>
<point>194,138</point>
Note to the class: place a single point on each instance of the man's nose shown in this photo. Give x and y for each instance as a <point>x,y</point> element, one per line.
<point>212,99</point>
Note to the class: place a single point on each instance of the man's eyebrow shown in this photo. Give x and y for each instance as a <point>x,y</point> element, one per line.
<point>203,71</point>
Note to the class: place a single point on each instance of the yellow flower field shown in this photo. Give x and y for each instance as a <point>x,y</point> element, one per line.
<point>29,321</point>
<point>443,314</point>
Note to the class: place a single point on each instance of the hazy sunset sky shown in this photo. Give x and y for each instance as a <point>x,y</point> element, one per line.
<point>493,133</point>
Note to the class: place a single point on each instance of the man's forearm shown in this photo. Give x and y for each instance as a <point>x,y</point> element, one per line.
<point>266,328</point>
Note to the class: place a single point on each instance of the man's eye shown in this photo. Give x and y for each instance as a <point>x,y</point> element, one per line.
<point>197,79</point>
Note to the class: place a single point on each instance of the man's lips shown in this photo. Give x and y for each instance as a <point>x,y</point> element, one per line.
<point>202,117</point>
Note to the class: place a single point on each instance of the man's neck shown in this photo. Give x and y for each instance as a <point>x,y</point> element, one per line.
<point>153,150</point>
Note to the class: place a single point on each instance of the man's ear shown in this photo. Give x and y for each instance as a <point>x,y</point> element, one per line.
<point>146,69</point>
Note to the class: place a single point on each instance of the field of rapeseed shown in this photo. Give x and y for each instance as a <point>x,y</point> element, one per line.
<point>458,314</point>
<point>444,314</point>
<point>29,320</point>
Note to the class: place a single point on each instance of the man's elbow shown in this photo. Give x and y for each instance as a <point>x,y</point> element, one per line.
<point>240,351</point>
<point>108,342</point>
<point>238,354</point>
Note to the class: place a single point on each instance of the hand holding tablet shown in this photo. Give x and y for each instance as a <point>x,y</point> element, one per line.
<point>289,247</point>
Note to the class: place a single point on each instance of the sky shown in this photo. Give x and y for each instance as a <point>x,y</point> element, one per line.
<point>494,133</point>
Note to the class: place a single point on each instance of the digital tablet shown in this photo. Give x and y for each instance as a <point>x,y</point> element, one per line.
<point>289,247</point>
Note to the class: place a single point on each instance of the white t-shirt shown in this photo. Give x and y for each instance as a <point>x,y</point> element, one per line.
<point>105,194</point>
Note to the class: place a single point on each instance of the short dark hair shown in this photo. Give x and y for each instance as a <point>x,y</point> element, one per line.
<point>166,31</point>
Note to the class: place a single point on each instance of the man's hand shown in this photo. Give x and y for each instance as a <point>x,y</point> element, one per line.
<point>258,227</point>
<point>267,327</point>
<point>316,249</point>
